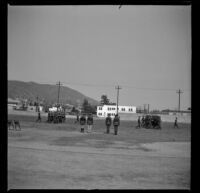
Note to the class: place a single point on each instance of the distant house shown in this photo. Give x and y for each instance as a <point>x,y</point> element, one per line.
<point>12,103</point>
<point>103,111</point>
<point>53,109</point>
<point>32,108</point>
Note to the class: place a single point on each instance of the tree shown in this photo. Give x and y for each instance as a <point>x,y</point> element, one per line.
<point>111,103</point>
<point>74,110</point>
<point>85,106</point>
<point>88,108</point>
<point>104,100</point>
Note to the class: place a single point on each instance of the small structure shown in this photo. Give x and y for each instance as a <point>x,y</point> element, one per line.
<point>105,110</point>
<point>12,103</point>
<point>53,109</point>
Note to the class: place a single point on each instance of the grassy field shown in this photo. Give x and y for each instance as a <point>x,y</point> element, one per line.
<point>46,155</point>
<point>127,131</point>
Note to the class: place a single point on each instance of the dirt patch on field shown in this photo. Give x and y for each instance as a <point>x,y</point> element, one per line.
<point>43,166</point>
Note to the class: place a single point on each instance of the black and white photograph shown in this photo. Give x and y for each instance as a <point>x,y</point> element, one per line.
<point>99,97</point>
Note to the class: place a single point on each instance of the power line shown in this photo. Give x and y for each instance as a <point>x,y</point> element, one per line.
<point>112,85</point>
<point>89,84</point>
<point>124,86</point>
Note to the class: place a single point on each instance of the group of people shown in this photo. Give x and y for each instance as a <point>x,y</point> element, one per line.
<point>141,122</point>
<point>116,123</point>
<point>83,120</point>
<point>88,121</point>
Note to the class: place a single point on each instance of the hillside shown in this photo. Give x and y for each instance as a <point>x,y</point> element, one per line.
<point>32,90</point>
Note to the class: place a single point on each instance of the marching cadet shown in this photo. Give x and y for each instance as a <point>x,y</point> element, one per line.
<point>176,123</point>
<point>89,123</point>
<point>82,123</point>
<point>108,123</point>
<point>116,123</point>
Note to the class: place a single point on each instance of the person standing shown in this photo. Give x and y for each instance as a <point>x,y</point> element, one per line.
<point>82,123</point>
<point>116,123</point>
<point>48,117</point>
<point>139,122</point>
<point>143,121</point>
<point>108,123</point>
<point>77,117</point>
<point>89,123</point>
<point>39,117</point>
<point>176,123</point>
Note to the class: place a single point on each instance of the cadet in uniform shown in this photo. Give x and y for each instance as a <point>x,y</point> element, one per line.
<point>108,123</point>
<point>89,123</point>
<point>116,123</point>
<point>82,123</point>
<point>175,123</point>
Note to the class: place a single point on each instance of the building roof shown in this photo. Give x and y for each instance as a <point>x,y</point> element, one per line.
<point>13,101</point>
<point>116,106</point>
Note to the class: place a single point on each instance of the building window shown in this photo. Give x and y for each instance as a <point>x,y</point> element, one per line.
<point>100,108</point>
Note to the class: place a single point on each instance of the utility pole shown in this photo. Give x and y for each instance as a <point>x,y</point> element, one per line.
<point>179,99</point>
<point>37,107</point>
<point>117,87</point>
<point>58,84</point>
<point>145,109</point>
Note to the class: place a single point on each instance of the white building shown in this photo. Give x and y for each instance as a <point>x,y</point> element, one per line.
<point>53,109</point>
<point>103,111</point>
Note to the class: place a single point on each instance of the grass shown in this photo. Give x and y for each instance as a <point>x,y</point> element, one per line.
<point>127,132</point>
<point>39,168</point>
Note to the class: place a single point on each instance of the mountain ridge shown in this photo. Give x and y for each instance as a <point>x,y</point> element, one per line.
<point>31,90</point>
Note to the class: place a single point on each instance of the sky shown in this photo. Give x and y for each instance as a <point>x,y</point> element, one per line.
<point>146,50</point>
